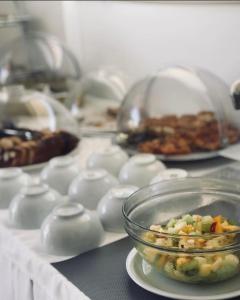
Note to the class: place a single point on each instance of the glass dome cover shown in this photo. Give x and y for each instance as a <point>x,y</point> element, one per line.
<point>178,111</point>
<point>29,109</point>
<point>37,58</point>
<point>34,128</point>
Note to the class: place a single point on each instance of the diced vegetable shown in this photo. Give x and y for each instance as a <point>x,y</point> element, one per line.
<point>194,232</point>
<point>188,219</point>
<point>207,222</point>
<point>171,223</point>
<point>190,265</point>
<point>213,227</point>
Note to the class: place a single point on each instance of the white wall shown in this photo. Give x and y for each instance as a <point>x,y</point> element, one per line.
<point>140,37</point>
<point>49,14</point>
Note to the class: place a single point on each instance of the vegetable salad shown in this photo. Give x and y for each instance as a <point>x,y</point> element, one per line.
<point>193,234</point>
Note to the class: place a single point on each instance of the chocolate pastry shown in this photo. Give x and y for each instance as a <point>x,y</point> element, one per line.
<point>22,147</point>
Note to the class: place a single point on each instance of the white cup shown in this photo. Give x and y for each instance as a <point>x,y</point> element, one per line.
<point>110,207</point>
<point>59,173</point>
<point>11,181</point>
<point>111,159</point>
<point>169,174</point>
<point>140,169</point>
<point>31,205</point>
<point>89,187</point>
<point>70,230</point>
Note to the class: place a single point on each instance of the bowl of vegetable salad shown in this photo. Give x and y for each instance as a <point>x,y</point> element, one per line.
<point>187,229</point>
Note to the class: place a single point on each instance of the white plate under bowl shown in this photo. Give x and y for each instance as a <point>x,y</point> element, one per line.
<point>149,279</point>
<point>180,157</point>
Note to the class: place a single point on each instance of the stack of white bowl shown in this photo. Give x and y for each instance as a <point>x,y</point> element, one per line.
<point>132,174</point>
<point>72,228</point>
<point>72,206</point>
<point>11,181</point>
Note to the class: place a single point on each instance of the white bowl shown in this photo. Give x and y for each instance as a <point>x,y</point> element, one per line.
<point>170,174</point>
<point>59,173</point>
<point>31,205</point>
<point>11,181</point>
<point>89,187</point>
<point>70,230</point>
<point>111,159</point>
<point>110,207</point>
<point>140,170</point>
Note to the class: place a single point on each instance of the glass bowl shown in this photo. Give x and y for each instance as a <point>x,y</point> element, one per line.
<point>178,111</point>
<point>189,257</point>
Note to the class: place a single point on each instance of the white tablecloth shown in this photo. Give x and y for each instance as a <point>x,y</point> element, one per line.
<point>25,276</point>
<point>25,272</point>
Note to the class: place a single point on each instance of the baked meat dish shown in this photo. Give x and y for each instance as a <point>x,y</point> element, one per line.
<point>22,147</point>
<point>173,135</point>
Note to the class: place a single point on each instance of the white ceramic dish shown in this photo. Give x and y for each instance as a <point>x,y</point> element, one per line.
<point>111,159</point>
<point>11,181</point>
<point>144,276</point>
<point>90,186</point>
<point>110,207</point>
<point>189,157</point>
<point>70,230</point>
<point>31,205</point>
<point>179,157</point>
<point>169,174</point>
<point>140,170</point>
<point>60,172</point>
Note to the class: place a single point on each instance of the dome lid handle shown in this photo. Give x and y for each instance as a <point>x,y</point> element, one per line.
<point>235,93</point>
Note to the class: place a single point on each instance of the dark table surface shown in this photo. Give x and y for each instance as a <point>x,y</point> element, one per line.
<point>101,273</point>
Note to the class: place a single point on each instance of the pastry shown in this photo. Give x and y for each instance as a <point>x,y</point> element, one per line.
<point>18,151</point>
<point>173,135</point>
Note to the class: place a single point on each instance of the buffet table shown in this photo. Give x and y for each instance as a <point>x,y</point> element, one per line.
<point>26,272</point>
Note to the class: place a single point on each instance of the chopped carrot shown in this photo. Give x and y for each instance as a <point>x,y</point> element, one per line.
<point>217,226</point>
<point>218,219</point>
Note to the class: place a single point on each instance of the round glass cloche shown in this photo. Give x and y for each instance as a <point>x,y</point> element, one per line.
<point>34,128</point>
<point>177,112</point>
<point>29,109</point>
<point>39,61</point>
<point>100,94</point>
